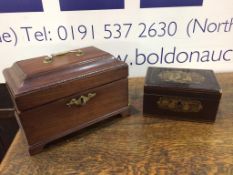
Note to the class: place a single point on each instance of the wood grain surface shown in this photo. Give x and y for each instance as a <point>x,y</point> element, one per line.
<point>136,145</point>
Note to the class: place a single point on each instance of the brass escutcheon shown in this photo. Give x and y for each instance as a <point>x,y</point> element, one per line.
<point>81,101</point>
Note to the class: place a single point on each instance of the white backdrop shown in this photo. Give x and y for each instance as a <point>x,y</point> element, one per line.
<point>207,44</point>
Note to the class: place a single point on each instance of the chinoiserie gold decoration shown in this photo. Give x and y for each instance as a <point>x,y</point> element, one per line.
<point>179,76</point>
<point>81,101</point>
<point>50,58</point>
<point>179,104</point>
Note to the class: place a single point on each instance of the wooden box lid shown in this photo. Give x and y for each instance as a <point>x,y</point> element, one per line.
<point>185,82</point>
<point>38,81</point>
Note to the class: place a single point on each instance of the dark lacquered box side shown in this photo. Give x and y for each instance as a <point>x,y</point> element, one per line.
<point>8,123</point>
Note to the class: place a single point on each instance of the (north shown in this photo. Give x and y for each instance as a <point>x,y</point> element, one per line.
<point>208,26</point>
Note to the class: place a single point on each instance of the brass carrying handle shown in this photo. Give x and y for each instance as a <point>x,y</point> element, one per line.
<point>49,58</point>
<point>81,101</point>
